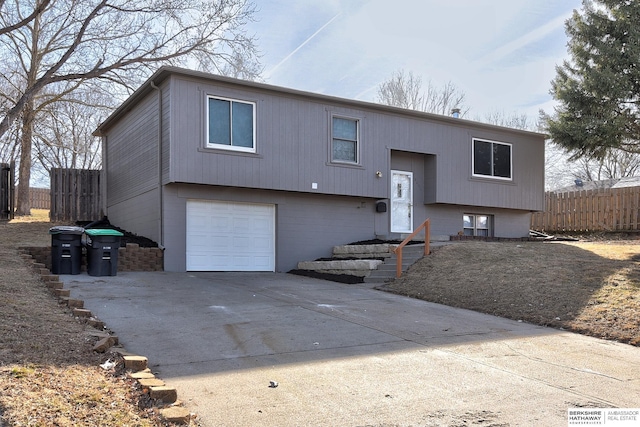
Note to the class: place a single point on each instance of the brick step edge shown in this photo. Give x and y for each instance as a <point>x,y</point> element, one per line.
<point>165,397</point>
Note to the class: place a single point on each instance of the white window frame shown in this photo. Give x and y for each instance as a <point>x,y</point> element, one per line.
<point>475,227</point>
<point>231,147</point>
<point>357,141</point>
<point>473,159</point>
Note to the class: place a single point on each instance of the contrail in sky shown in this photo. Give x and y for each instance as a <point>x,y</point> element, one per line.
<point>522,41</point>
<point>300,47</point>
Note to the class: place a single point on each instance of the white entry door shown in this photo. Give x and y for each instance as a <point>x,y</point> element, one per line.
<point>401,202</point>
<point>230,236</point>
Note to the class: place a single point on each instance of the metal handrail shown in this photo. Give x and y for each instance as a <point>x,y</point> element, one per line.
<point>398,250</point>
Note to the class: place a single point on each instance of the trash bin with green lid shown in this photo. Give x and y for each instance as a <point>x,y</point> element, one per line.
<point>66,249</point>
<point>102,251</point>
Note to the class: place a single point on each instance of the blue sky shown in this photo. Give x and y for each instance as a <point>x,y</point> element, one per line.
<point>501,53</point>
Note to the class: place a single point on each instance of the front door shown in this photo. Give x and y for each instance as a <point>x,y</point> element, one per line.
<point>401,202</point>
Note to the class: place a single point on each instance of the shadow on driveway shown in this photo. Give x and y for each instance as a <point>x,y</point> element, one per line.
<point>347,355</point>
<point>212,322</point>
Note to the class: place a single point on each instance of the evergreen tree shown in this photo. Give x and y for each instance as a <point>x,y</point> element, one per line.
<point>599,88</point>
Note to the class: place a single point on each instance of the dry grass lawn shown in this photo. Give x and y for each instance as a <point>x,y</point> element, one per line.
<point>588,287</point>
<point>49,375</point>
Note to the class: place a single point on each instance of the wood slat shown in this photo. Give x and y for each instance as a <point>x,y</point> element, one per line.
<point>75,195</point>
<point>613,209</point>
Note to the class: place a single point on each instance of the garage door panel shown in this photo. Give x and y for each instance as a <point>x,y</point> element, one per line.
<point>228,236</point>
<point>251,244</point>
<point>200,221</point>
<point>220,223</point>
<point>199,242</point>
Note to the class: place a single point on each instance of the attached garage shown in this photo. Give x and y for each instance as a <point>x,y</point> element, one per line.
<point>230,236</point>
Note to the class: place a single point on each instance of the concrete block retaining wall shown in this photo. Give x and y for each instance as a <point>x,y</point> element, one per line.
<point>130,258</point>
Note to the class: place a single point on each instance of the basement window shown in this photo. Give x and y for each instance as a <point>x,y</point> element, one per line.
<point>477,225</point>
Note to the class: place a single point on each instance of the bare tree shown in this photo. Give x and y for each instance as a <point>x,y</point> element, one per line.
<point>615,164</point>
<point>405,91</point>
<point>514,120</point>
<point>243,66</point>
<point>62,44</point>
<point>559,171</point>
<point>13,23</point>
<point>63,133</point>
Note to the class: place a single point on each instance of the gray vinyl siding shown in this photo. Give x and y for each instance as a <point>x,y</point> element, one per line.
<point>133,197</point>
<point>307,226</point>
<point>293,140</point>
<point>166,131</point>
<point>132,153</point>
<point>293,143</point>
<point>446,220</point>
<point>139,215</point>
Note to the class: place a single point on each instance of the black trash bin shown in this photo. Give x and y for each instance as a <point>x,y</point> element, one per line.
<point>102,251</point>
<point>66,249</point>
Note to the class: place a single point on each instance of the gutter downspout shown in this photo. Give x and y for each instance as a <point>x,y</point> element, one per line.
<point>103,178</point>
<point>160,189</point>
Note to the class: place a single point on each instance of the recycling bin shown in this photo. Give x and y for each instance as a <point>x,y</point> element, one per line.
<point>66,249</point>
<point>102,251</point>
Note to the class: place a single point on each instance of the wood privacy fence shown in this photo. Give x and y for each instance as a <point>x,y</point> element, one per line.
<point>612,209</point>
<point>75,195</point>
<point>39,198</point>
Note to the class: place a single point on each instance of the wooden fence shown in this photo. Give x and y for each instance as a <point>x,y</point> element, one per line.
<point>75,195</point>
<point>40,198</point>
<point>613,209</point>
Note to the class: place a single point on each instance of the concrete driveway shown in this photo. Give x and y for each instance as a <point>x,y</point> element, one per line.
<point>348,355</point>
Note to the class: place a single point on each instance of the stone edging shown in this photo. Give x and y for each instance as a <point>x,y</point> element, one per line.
<point>166,397</point>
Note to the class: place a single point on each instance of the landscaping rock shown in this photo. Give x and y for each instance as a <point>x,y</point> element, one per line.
<point>146,374</point>
<point>164,394</point>
<point>151,382</point>
<point>135,363</point>
<point>98,324</point>
<point>55,285</point>
<point>62,292</point>
<point>104,344</point>
<point>81,312</point>
<point>176,414</point>
<point>75,303</point>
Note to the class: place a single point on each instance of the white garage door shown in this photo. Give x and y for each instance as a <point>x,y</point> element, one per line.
<point>228,236</point>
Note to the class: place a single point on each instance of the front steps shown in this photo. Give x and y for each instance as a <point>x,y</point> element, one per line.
<point>387,270</point>
<point>362,263</point>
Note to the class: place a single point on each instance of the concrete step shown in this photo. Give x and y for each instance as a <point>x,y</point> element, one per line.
<point>360,267</point>
<point>377,280</point>
<point>391,266</point>
<point>363,251</point>
<point>372,263</point>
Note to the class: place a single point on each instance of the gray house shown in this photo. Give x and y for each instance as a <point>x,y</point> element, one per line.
<point>229,175</point>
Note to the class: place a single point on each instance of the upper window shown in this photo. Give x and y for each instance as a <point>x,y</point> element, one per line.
<point>231,124</point>
<point>344,140</point>
<point>492,159</point>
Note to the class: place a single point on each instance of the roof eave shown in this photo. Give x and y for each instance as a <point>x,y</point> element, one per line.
<point>164,72</point>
